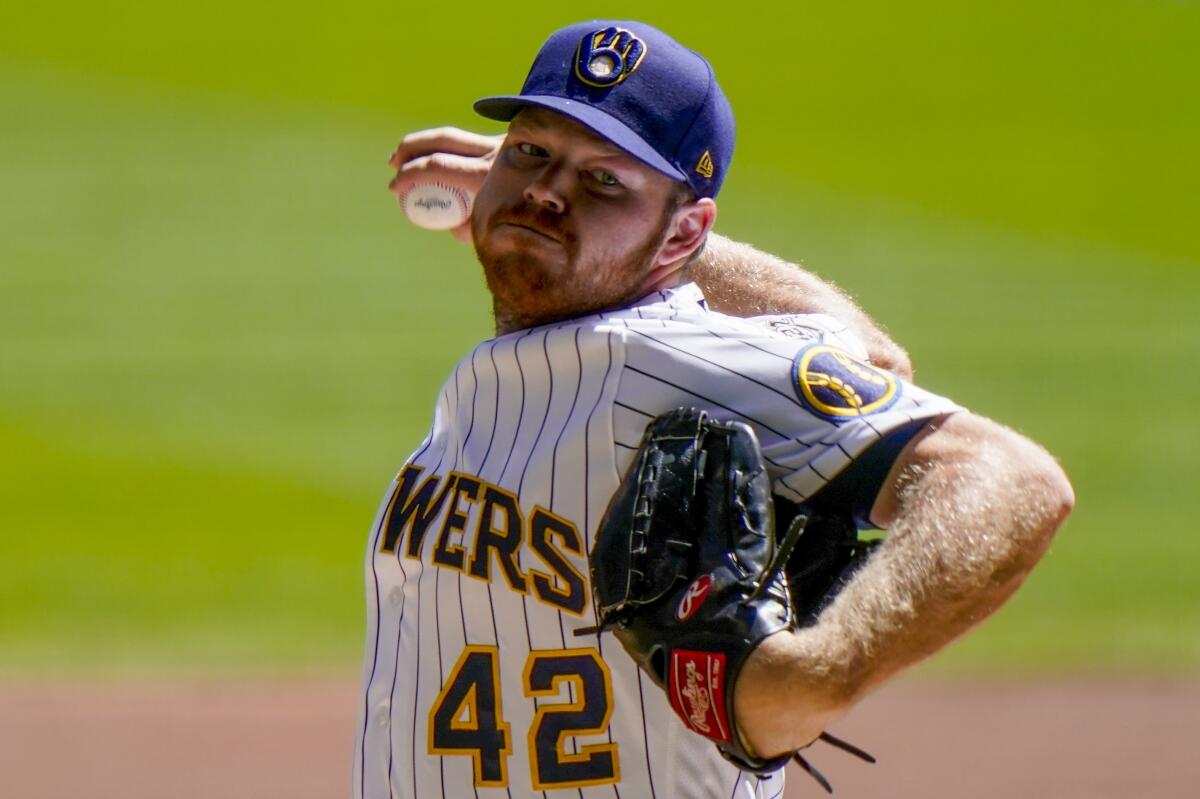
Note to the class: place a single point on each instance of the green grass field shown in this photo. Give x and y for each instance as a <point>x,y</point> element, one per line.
<point>218,337</point>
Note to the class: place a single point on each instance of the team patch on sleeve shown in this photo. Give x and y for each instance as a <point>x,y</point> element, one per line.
<point>837,386</point>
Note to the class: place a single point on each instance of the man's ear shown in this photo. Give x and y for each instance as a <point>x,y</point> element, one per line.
<point>689,225</point>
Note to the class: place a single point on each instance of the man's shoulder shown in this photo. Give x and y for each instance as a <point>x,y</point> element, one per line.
<point>682,315</point>
<point>679,319</point>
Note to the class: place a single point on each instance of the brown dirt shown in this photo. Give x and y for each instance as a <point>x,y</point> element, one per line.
<point>291,738</point>
<point>1065,740</point>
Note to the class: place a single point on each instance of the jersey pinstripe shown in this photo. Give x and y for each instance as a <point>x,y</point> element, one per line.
<point>474,683</point>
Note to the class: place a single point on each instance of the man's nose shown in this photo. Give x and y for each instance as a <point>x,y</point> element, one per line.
<point>546,190</point>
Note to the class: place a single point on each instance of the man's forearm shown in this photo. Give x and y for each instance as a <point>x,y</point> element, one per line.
<point>971,509</point>
<point>970,512</point>
<point>740,280</point>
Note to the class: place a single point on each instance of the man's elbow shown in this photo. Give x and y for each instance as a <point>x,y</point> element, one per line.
<point>891,356</point>
<point>1018,490</point>
<point>1043,497</point>
<point>1062,494</point>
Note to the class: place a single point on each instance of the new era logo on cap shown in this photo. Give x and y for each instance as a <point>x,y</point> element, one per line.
<point>638,88</point>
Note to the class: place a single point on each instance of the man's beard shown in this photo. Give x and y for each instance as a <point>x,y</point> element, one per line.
<point>527,291</point>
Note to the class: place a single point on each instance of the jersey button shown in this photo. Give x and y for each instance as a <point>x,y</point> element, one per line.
<point>396,596</point>
<point>383,713</point>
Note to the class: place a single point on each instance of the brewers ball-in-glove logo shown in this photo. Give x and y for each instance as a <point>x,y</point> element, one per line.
<point>837,386</point>
<point>608,56</point>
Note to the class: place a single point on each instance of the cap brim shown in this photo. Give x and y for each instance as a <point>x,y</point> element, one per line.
<point>505,107</point>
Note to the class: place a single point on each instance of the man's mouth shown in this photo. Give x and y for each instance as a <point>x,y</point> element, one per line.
<point>531,224</point>
<point>540,233</point>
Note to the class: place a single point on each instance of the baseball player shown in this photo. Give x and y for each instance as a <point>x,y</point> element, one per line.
<point>587,225</point>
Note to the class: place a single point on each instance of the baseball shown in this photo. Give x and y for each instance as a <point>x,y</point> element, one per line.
<point>436,206</point>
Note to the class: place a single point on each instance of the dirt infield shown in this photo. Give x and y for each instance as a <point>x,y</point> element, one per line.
<point>260,738</point>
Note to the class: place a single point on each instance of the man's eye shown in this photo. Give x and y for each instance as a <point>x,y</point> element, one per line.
<point>605,178</point>
<point>532,150</point>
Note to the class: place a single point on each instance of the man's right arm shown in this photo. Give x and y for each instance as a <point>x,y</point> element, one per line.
<point>739,280</point>
<point>736,279</point>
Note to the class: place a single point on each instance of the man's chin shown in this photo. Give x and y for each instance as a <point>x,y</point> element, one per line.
<point>513,273</point>
<point>529,293</point>
<point>527,256</point>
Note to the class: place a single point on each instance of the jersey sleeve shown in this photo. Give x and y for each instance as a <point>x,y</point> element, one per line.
<point>815,402</point>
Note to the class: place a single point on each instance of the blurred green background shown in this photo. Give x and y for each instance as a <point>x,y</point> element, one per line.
<point>219,338</point>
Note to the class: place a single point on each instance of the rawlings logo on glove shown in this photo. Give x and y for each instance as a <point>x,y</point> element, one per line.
<point>698,680</point>
<point>693,598</point>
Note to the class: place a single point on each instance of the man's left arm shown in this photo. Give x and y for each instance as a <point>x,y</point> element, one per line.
<point>970,507</point>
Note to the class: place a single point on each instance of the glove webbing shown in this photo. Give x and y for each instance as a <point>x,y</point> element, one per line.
<point>783,551</point>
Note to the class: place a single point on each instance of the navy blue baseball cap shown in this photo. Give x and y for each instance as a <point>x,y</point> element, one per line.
<point>638,88</point>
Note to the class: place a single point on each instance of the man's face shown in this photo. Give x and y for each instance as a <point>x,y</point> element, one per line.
<point>566,223</point>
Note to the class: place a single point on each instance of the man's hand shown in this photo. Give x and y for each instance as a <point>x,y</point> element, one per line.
<point>687,572</point>
<point>451,156</point>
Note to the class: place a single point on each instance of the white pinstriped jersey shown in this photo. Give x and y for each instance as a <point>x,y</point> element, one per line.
<point>474,684</point>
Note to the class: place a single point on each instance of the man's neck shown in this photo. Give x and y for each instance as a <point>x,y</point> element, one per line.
<point>510,321</point>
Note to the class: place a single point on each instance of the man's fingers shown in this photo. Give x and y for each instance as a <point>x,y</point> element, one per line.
<point>460,171</point>
<point>450,156</point>
<point>444,140</point>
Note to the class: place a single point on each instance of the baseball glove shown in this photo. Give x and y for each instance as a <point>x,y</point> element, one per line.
<point>688,574</point>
